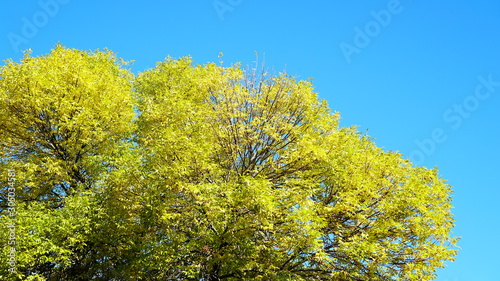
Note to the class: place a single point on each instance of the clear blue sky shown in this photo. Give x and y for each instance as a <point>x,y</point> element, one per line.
<point>422,76</point>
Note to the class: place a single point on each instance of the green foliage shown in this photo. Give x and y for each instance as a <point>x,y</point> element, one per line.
<point>59,114</point>
<point>203,172</point>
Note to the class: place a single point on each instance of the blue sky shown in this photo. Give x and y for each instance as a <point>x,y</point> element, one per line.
<point>422,77</point>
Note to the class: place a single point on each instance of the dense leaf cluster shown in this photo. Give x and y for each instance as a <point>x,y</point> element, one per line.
<point>202,172</point>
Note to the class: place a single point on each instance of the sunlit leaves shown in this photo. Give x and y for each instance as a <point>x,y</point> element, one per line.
<point>59,112</point>
<point>205,172</point>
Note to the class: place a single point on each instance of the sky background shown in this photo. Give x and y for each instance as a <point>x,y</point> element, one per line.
<point>422,77</point>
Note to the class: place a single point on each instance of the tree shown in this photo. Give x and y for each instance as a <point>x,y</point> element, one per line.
<point>205,172</point>
<point>63,119</point>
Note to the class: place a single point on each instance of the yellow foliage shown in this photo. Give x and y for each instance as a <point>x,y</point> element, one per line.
<point>199,172</point>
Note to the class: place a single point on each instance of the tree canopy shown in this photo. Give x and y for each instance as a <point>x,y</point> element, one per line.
<point>201,172</point>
